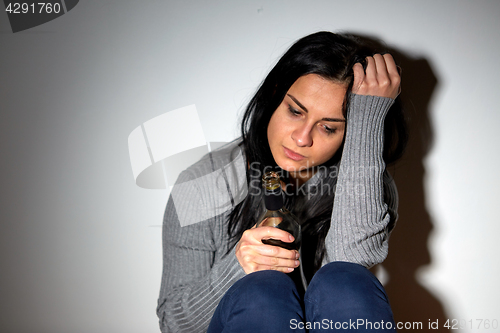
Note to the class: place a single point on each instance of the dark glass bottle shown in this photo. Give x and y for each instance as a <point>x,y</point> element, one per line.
<point>276,215</point>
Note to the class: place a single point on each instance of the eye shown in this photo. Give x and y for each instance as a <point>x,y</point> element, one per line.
<point>329,130</point>
<point>293,111</point>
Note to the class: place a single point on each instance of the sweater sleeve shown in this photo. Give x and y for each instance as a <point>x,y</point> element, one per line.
<point>365,205</point>
<point>197,270</point>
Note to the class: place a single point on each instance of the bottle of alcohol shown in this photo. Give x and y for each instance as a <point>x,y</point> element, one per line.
<point>276,215</point>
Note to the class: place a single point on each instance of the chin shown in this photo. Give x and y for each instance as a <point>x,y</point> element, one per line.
<point>293,167</point>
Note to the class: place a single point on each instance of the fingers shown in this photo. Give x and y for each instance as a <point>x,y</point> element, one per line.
<point>359,77</point>
<point>371,68</point>
<point>271,232</point>
<point>253,255</point>
<point>276,252</point>
<point>392,69</point>
<point>380,64</point>
<point>394,72</point>
<point>254,259</point>
<point>381,77</point>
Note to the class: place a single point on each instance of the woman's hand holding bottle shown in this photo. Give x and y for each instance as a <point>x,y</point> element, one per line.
<point>253,255</point>
<point>381,77</point>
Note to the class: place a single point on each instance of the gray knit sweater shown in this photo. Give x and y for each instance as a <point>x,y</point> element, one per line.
<point>197,269</point>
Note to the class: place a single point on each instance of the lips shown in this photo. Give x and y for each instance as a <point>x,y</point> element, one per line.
<point>293,155</point>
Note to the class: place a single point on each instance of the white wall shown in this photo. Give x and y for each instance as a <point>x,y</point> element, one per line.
<point>80,242</point>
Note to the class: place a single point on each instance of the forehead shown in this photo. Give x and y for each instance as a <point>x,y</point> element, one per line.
<point>318,94</point>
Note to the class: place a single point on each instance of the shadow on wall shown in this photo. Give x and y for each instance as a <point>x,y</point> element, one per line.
<point>410,301</point>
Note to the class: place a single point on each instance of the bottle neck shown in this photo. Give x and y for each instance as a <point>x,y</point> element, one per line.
<point>273,199</point>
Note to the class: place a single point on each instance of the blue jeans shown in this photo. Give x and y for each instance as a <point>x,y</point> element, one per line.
<point>341,297</point>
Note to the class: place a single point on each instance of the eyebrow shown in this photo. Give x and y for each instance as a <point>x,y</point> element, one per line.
<point>305,109</point>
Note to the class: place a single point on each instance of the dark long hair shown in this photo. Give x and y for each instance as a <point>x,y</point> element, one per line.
<point>332,57</point>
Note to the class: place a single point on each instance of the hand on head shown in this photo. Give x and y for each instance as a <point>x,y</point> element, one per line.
<point>381,77</point>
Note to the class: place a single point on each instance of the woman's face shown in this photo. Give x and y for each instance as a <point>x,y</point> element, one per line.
<point>307,128</point>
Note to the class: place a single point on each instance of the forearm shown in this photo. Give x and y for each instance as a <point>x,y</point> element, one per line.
<point>360,218</point>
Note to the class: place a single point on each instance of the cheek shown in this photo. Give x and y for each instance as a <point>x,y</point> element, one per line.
<point>270,132</point>
<point>328,150</point>
<point>274,130</point>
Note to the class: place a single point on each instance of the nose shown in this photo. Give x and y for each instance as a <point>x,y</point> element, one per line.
<point>302,136</point>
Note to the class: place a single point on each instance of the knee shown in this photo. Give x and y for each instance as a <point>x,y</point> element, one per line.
<point>263,301</point>
<point>347,283</point>
<point>263,287</point>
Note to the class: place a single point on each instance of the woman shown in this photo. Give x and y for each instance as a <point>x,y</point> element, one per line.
<point>325,116</point>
